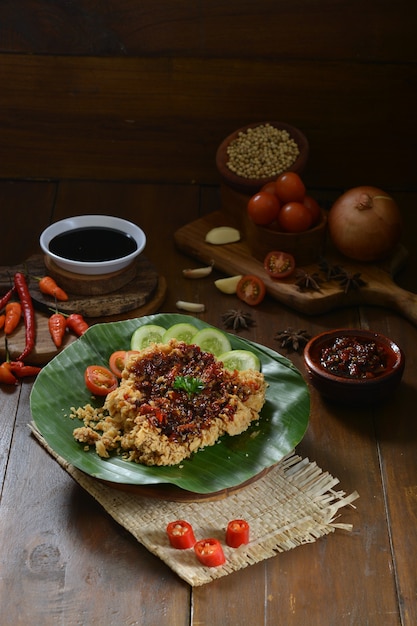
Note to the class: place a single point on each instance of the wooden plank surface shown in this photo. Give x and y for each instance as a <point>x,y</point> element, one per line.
<point>158,119</point>
<point>64,560</point>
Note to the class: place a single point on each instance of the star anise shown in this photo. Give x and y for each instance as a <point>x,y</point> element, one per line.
<point>237,319</point>
<point>331,271</point>
<point>307,282</point>
<point>291,339</point>
<point>349,281</point>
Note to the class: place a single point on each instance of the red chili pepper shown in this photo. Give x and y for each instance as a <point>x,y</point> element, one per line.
<point>180,534</point>
<point>13,315</point>
<point>77,324</point>
<point>5,299</point>
<point>19,369</point>
<point>2,320</point>
<point>6,375</point>
<point>209,552</point>
<point>237,533</point>
<point>57,325</point>
<point>48,286</point>
<point>28,313</point>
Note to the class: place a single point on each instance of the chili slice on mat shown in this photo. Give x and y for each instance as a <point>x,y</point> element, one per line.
<point>237,533</point>
<point>209,552</point>
<point>180,534</point>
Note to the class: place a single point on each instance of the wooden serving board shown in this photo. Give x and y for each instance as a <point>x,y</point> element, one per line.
<point>143,295</point>
<point>233,259</point>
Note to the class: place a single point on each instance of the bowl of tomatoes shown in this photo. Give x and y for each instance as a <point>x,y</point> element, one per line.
<point>257,153</point>
<point>283,216</point>
<point>354,366</point>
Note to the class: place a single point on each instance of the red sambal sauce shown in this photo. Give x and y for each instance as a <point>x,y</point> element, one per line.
<point>351,357</point>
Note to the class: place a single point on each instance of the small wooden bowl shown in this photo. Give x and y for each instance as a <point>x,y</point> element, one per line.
<point>250,186</point>
<point>349,390</point>
<point>306,247</point>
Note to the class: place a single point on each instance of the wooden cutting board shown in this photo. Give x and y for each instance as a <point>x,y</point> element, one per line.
<point>143,295</point>
<point>379,290</point>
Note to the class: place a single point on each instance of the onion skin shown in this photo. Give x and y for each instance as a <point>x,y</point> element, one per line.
<point>365,224</point>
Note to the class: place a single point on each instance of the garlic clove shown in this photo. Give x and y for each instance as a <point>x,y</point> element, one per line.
<point>222,234</point>
<point>229,284</point>
<point>198,272</point>
<point>191,307</point>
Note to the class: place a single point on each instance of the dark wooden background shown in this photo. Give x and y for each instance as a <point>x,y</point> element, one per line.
<point>123,90</point>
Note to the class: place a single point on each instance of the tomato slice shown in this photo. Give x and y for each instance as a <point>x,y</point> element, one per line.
<point>210,552</point>
<point>100,380</point>
<point>237,533</point>
<point>279,264</point>
<point>118,359</point>
<point>180,534</point>
<point>251,289</point>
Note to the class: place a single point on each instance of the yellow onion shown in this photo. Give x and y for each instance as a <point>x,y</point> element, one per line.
<point>365,223</point>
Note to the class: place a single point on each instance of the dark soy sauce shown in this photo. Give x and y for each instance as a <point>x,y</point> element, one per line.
<point>93,244</point>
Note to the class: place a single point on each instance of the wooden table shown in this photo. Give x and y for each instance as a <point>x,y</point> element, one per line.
<point>65,561</point>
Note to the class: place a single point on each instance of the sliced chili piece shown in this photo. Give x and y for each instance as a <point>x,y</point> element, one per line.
<point>251,289</point>
<point>180,534</point>
<point>209,552</point>
<point>237,533</point>
<point>100,380</point>
<point>279,264</point>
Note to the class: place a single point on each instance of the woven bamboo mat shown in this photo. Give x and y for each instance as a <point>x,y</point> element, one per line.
<point>295,503</point>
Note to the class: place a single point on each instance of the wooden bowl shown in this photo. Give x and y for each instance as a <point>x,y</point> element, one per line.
<point>250,186</point>
<point>306,247</point>
<point>351,389</point>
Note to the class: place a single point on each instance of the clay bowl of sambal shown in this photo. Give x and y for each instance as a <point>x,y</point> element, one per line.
<point>354,366</point>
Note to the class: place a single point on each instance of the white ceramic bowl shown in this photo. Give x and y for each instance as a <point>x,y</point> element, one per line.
<point>93,267</point>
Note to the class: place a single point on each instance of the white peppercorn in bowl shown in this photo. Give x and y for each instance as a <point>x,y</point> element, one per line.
<point>258,153</point>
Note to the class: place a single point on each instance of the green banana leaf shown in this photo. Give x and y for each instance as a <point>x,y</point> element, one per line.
<point>230,462</point>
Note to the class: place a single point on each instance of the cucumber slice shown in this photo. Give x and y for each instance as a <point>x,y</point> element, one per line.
<point>145,335</point>
<point>240,360</point>
<point>212,340</point>
<point>181,331</point>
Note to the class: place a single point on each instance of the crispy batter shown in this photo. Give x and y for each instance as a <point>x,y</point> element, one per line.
<point>152,421</point>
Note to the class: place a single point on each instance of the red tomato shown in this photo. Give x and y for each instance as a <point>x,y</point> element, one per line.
<point>100,380</point>
<point>270,188</point>
<point>180,534</point>
<point>251,289</point>
<point>314,208</point>
<point>237,533</point>
<point>118,359</point>
<point>263,208</point>
<point>210,552</point>
<point>279,264</point>
<point>290,187</point>
<point>294,217</point>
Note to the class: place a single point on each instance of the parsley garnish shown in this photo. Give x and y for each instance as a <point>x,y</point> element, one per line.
<point>189,384</point>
